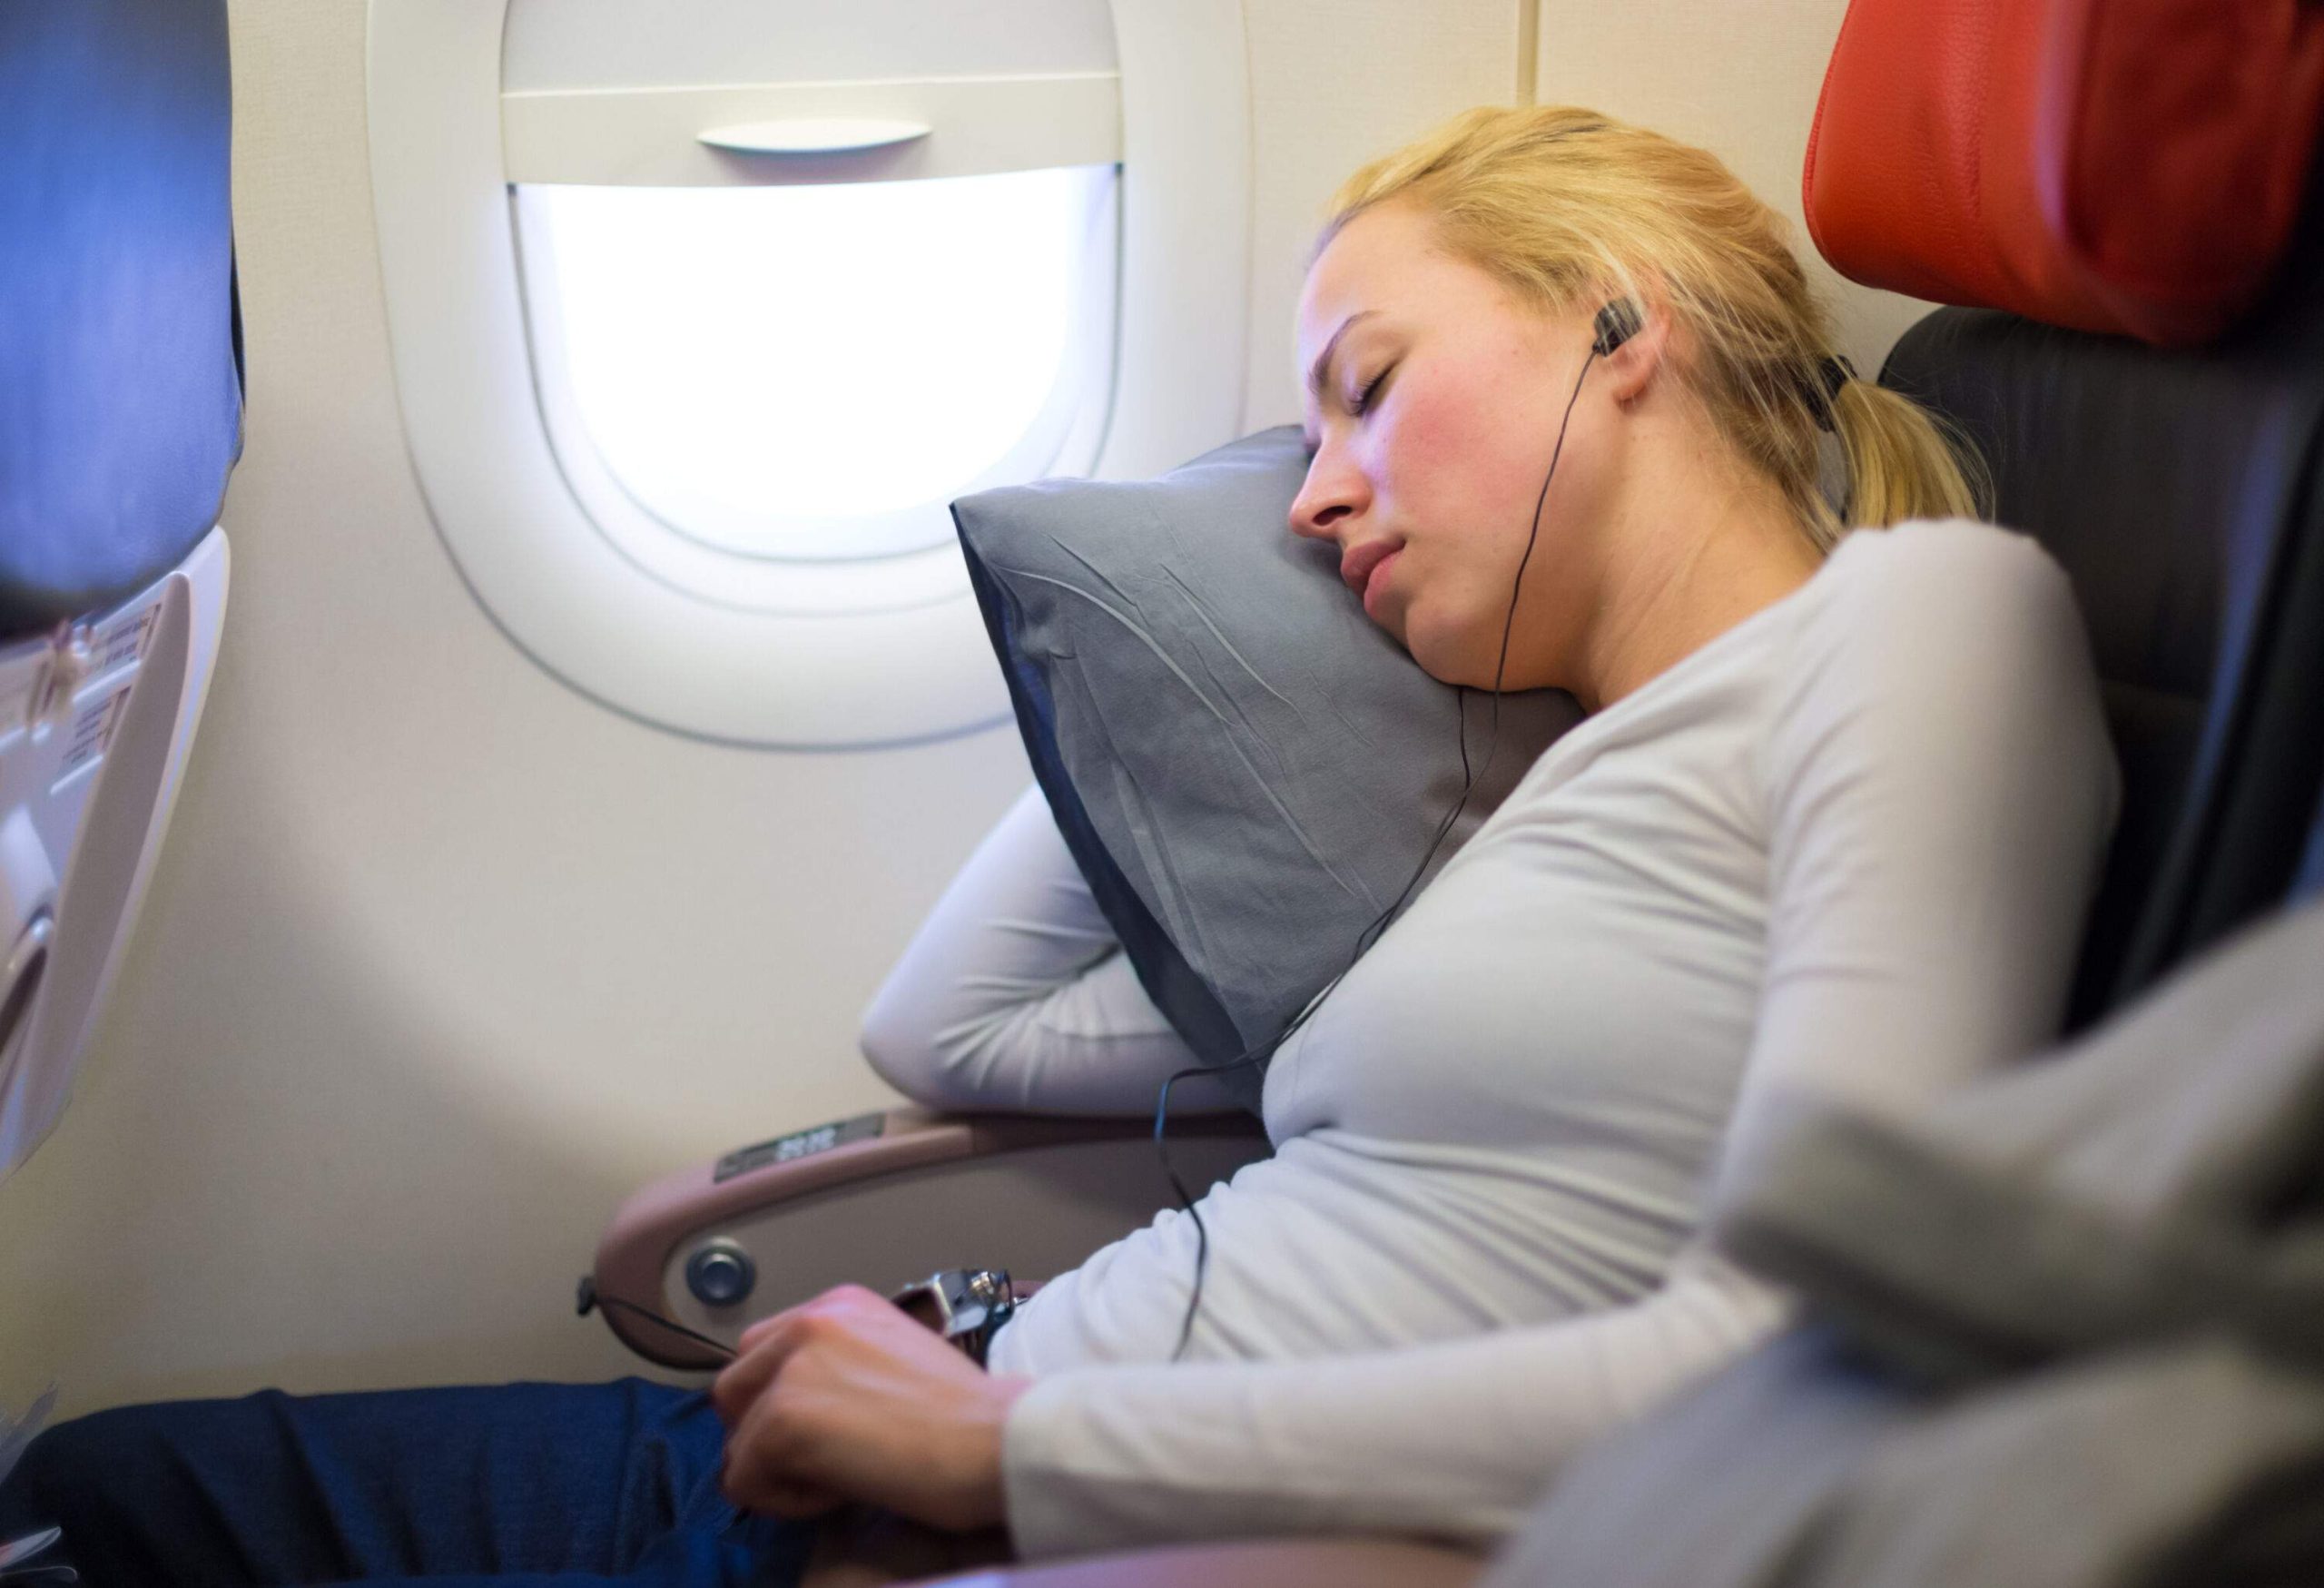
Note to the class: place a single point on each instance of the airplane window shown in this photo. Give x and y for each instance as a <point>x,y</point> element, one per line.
<point>811,372</point>
<point>689,379</point>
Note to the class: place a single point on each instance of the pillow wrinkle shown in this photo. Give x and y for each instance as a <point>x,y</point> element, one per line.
<point>1254,740</point>
<point>1150,841</point>
<point>1230,717</point>
<point>1132,626</point>
<point>1184,905</point>
<point>1195,602</point>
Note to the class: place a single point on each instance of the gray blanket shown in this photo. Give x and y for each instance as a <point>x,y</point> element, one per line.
<point>2068,1330</point>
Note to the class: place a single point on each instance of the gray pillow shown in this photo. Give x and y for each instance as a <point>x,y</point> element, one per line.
<point>1246,767</point>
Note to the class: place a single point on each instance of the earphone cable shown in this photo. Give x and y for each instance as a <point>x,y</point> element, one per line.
<point>1262,1053</point>
<point>590,1297</point>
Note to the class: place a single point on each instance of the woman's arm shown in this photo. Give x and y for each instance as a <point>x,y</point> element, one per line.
<point>844,1398</point>
<point>1015,995</point>
<point>1942,790</point>
<point>1454,1441</point>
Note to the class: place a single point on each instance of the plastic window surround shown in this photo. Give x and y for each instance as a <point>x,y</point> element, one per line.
<point>649,646</point>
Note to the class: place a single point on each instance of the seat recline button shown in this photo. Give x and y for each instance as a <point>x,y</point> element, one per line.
<point>721,1274</point>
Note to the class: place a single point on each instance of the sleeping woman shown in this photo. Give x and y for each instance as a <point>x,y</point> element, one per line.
<point>1826,836</point>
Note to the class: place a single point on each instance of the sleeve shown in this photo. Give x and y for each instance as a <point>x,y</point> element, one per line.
<point>1454,1441</point>
<point>1015,994</point>
<point>1940,791</point>
<point>1941,794</point>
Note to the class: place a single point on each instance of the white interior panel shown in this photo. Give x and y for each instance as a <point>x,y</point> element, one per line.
<point>94,780</point>
<point>1338,83</point>
<point>1739,77</point>
<point>556,45</point>
<point>893,129</point>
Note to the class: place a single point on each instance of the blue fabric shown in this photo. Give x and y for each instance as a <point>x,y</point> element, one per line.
<point>525,1484</point>
<point>121,411</point>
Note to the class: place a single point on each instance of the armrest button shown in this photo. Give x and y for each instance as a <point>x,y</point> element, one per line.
<point>721,1274</point>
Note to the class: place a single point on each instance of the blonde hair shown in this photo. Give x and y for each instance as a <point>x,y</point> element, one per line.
<point>1567,207</point>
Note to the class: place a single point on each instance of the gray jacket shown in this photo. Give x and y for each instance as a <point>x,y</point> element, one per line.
<point>2067,1331</point>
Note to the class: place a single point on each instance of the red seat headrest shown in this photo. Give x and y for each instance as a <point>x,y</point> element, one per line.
<point>2129,166</point>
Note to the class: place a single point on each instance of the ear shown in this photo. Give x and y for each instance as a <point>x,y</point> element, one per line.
<point>1631,367</point>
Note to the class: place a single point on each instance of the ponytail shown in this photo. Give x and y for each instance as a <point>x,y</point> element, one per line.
<point>1903,462</point>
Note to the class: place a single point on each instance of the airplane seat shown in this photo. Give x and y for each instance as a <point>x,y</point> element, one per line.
<point>120,419</point>
<point>2146,176</point>
<point>2182,490</point>
<point>2309,882</point>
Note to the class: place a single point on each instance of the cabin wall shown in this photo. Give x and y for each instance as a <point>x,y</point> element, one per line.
<point>442,960</point>
<point>1739,77</point>
<point>1337,83</point>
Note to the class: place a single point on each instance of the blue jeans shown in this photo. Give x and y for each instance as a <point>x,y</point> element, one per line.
<point>527,1483</point>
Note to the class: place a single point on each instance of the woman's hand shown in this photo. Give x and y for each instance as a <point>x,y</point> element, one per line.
<point>844,1397</point>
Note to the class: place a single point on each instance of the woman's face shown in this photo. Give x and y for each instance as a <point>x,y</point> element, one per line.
<point>1434,404</point>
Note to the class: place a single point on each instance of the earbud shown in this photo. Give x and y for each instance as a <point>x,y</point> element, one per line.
<point>1616,324</point>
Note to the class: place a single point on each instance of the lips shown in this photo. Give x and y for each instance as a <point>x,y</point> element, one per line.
<point>1358,563</point>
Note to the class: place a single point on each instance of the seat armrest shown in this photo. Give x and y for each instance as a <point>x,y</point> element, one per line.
<point>883,1200</point>
<point>1304,1562</point>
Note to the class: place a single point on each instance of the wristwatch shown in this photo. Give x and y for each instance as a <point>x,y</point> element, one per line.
<point>966,1305</point>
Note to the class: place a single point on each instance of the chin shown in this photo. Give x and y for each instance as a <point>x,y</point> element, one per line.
<point>1444,658</point>
<point>1449,652</point>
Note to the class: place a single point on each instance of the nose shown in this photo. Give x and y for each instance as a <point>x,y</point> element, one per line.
<point>1335,490</point>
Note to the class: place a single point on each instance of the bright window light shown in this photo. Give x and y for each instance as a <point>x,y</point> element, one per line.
<point>813,371</point>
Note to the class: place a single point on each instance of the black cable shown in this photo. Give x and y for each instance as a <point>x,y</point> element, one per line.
<point>1370,934</point>
<point>590,1297</point>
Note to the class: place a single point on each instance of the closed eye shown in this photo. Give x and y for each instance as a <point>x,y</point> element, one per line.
<point>1363,399</point>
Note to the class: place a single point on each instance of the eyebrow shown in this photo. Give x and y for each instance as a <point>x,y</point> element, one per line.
<point>1323,363</point>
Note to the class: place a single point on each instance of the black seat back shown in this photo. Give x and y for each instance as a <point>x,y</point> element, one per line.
<point>2181,492</point>
<point>2309,882</point>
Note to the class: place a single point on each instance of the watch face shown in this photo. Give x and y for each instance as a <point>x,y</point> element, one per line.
<point>965,1306</point>
<point>925,1303</point>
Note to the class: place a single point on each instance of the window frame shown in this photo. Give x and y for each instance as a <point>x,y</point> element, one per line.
<point>443,147</point>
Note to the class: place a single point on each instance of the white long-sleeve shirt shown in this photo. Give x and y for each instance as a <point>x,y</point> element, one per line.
<point>1842,852</point>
